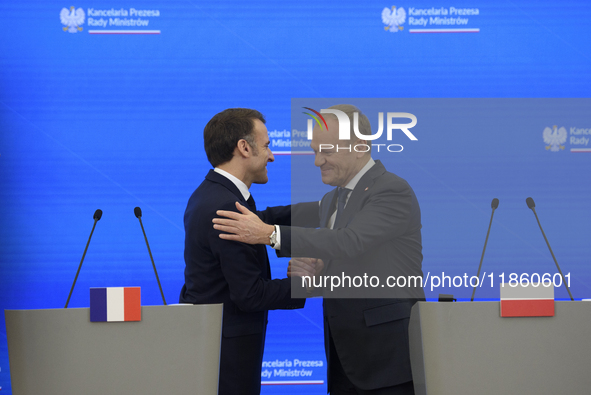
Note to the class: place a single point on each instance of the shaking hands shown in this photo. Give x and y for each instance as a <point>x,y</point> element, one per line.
<point>305,267</point>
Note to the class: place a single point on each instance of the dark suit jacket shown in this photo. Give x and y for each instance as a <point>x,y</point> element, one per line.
<point>378,232</point>
<point>237,275</point>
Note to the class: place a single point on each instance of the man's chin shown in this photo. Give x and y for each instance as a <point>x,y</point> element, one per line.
<point>261,180</point>
<point>328,181</point>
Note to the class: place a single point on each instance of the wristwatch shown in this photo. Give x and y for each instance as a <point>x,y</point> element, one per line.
<point>273,237</point>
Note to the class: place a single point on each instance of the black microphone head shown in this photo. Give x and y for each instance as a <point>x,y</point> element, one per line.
<point>98,214</point>
<point>495,203</point>
<point>530,203</point>
<point>137,211</point>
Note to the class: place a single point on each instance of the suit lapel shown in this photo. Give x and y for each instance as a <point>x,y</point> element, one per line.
<point>353,204</point>
<point>327,207</point>
<point>220,179</point>
<point>357,196</point>
<point>261,249</point>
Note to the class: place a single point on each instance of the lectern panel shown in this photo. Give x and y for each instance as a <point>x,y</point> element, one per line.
<point>467,348</point>
<point>173,350</point>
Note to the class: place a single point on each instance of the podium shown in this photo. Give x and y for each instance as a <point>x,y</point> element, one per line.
<point>467,348</point>
<point>173,350</point>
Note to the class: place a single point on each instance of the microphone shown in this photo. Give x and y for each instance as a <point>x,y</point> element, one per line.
<point>530,203</point>
<point>494,205</point>
<point>138,213</point>
<point>97,216</point>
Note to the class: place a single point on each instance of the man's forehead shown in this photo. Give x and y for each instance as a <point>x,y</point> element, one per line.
<point>332,121</point>
<point>260,128</point>
<point>332,134</point>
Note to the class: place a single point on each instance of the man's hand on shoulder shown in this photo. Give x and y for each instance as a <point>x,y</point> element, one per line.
<point>244,226</point>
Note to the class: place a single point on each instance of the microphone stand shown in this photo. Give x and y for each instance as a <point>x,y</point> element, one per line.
<point>531,204</point>
<point>494,204</point>
<point>138,214</point>
<point>97,215</point>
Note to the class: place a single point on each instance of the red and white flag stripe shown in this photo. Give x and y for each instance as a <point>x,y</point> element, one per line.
<point>531,300</point>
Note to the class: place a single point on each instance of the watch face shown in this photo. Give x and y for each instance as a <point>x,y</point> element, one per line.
<point>273,238</point>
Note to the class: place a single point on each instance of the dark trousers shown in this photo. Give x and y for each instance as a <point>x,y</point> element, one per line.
<point>341,385</point>
<point>240,365</point>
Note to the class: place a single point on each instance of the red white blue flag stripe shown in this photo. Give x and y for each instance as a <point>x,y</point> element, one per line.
<point>115,304</point>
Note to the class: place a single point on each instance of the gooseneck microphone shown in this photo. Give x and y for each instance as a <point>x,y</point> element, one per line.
<point>532,206</point>
<point>494,204</point>
<point>138,213</point>
<point>97,216</point>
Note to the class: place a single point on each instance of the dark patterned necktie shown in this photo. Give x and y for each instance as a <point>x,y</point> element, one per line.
<point>252,205</point>
<point>343,193</point>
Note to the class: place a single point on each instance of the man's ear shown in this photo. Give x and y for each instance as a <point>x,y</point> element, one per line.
<point>244,149</point>
<point>362,150</point>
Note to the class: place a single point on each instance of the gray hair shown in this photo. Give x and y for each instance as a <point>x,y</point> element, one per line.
<point>349,109</point>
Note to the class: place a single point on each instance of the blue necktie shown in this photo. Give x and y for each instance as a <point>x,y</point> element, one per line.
<point>343,193</point>
<point>251,203</point>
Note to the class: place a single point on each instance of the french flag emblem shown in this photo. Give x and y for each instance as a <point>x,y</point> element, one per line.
<point>115,304</point>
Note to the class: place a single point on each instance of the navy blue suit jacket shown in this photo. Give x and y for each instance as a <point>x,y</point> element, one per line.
<point>237,275</point>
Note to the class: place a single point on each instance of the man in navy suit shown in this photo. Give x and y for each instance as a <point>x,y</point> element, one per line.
<point>370,224</point>
<point>229,272</point>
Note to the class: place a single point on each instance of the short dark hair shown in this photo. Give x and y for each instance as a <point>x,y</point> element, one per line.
<point>225,129</point>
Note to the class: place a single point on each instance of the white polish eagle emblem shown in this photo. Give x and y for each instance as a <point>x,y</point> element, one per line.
<point>72,18</point>
<point>393,19</point>
<point>554,138</point>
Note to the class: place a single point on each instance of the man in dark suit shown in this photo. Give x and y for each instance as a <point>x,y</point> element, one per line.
<point>369,224</point>
<point>229,272</point>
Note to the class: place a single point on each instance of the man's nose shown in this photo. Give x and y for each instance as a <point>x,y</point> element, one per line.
<point>318,159</point>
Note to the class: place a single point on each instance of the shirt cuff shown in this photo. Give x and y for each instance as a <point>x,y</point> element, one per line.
<point>277,245</point>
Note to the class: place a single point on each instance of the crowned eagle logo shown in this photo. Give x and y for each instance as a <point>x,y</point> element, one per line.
<point>72,18</point>
<point>393,19</point>
<point>555,138</point>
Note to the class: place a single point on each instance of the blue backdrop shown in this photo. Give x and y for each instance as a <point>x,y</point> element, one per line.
<point>104,117</point>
